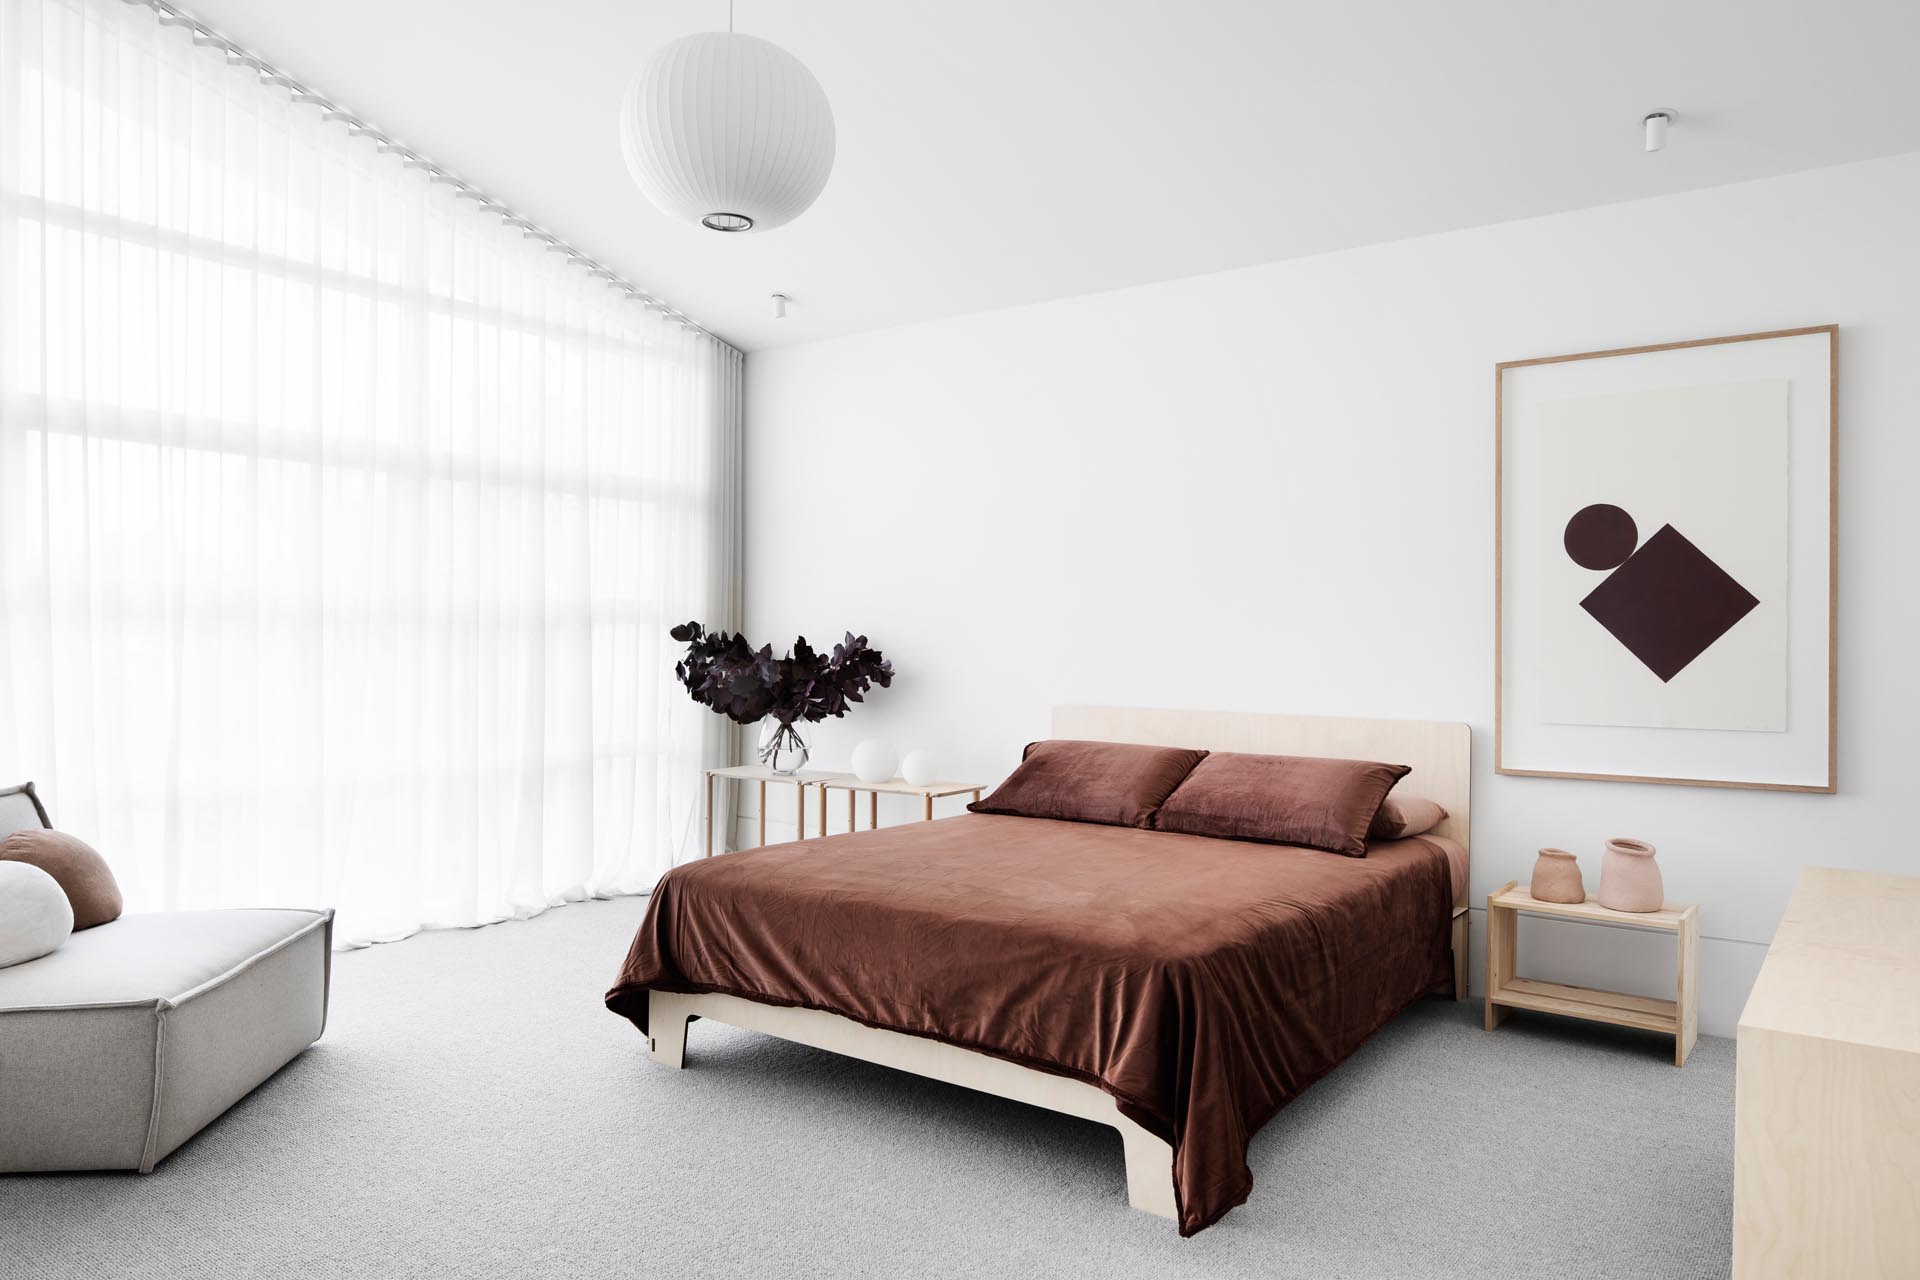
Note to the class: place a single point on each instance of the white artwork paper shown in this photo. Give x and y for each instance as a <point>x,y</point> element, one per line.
<point>1712,462</point>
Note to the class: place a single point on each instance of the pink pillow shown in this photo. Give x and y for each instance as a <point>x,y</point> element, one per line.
<point>1116,783</point>
<point>1300,800</point>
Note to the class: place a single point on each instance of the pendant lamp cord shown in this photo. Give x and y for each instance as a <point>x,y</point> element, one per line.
<point>729,17</point>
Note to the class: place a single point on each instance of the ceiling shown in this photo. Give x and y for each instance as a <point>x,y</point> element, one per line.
<point>1000,152</point>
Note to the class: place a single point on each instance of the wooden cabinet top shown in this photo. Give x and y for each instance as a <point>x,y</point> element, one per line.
<point>1845,962</point>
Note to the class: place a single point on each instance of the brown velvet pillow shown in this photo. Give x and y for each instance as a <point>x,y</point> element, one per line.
<point>73,864</point>
<point>1116,783</point>
<point>1403,816</point>
<point>1303,800</point>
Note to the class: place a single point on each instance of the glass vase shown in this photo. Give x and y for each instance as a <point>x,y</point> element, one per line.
<point>782,746</point>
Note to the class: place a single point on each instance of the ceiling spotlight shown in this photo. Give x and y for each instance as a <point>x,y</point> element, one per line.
<point>780,301</point>
<point>1656,124</point>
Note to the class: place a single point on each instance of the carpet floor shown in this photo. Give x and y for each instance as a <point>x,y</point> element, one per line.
<point>473,1110</point>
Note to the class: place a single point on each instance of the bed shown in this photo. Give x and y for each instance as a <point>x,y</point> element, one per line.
<point>1179,988</point>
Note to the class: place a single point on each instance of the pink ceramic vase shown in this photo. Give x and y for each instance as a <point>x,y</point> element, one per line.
<point>1556,878</point>
<point>1630,878</point>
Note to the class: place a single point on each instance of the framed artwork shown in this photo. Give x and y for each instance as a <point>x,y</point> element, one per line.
<point>1664,556</point>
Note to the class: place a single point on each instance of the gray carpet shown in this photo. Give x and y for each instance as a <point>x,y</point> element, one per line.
<point>474,1111</point>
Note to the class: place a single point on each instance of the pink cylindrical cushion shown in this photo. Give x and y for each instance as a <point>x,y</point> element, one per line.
<point>79,871</point>
<point>1403,816</point>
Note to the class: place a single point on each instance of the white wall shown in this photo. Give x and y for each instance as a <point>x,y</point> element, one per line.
<point>1272,489</point>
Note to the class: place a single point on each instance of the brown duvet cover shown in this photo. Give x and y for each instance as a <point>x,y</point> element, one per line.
<point>1203,983</point>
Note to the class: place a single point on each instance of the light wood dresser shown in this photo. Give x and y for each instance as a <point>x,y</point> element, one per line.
<point>1827,1116</point>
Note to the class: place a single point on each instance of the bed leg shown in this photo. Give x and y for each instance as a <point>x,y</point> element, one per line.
<point>1149,1170</point>
<point>1462,931</point>
<point>667,1015</point>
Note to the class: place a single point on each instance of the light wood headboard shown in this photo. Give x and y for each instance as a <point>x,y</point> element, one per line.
<point>1440,752</point>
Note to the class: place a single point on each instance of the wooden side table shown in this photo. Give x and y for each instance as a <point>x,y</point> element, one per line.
<point>1678,1017</point>
<point>761,774</point>
<point>928,793</point>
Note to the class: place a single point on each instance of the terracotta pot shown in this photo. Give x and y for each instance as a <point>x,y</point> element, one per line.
<point>1556,878</point>
<point>1630,878</point>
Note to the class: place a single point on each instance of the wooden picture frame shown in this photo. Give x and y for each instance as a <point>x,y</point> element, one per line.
<point>1807,775</point>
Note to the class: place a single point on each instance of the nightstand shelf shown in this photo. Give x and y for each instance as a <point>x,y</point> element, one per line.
<point>1646,1012</point>
<point>1507,990</point>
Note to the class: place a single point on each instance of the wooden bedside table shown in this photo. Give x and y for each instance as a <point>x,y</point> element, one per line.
<point>1678,1017</point>
<point>763,775</point>
<point>928,793</point>
<point>826,780</point>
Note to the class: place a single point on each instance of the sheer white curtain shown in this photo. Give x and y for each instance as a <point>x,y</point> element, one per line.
<point>340,524</point>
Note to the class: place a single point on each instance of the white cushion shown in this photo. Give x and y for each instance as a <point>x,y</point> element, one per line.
<point>35,916</point>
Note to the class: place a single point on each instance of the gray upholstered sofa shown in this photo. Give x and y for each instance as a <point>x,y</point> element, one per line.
<point>134,1035</point>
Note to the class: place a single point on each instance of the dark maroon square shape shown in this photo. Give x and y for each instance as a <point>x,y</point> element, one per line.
<point>1668,603</point>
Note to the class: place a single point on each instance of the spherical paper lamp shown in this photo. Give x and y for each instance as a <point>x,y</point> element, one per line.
<point>917,767</point>
<point>873,761</point>
<point>728,131</point>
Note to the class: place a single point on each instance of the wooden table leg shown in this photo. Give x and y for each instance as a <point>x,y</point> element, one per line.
<point>873,810</point>
<point>926,811</point>
<point>976,795</point>
<point>1502,936</point>
<point>799,811</point>
<point>709,815</point>
<point>1686,997</point>
<point>823,809</point>
<point>853,819</point>
<point>763,813</point>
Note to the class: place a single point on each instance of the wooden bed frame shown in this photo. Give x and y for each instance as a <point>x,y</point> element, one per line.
<point>1440,754</point>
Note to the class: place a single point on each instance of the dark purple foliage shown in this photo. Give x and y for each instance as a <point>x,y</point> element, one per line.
<point>723,671</point>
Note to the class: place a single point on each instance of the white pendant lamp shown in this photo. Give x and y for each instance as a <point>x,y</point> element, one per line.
<point>728,131</point>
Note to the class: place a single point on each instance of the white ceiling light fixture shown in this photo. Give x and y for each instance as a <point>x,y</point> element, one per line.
<point>729,131</point>
<point>1656,124</point>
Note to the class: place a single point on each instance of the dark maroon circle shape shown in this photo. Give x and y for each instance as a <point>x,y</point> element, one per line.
<point>1601,536</point>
